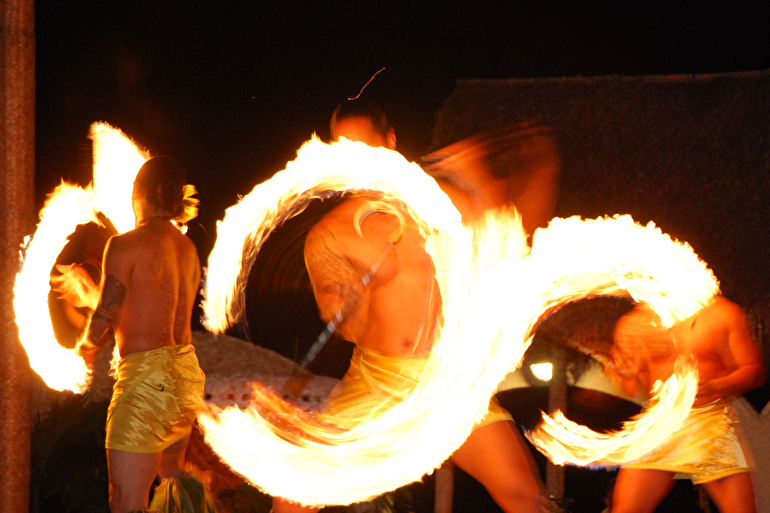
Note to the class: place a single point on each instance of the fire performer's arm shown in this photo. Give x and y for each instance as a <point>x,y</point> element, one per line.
<point>337,285</point>
<point>740,353</point>
<point>116,272</point>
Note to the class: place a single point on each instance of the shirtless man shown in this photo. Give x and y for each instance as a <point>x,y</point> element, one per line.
<point>149,283</point>
<point>706,448</point>
<point>392,321</point>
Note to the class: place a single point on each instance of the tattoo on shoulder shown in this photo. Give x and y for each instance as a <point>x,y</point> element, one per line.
<point>326,260</point>
<point>113,295</point>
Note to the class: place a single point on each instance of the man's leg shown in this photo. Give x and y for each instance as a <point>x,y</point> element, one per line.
<point>494,455</point>
<point>131,475</point>
<point>640,490</point>
<point>180,489</point>
<point>732,494</point>
<point>173,459</point>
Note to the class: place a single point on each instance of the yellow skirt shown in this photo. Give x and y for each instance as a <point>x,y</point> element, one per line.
<point>376,382</point>
<point>156,398</point>
<point>705,449</point>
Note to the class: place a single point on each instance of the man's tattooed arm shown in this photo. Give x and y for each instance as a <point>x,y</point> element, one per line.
<point>336,283</point>
<point>112,297</point>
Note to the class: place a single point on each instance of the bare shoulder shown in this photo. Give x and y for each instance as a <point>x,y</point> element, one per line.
<point>126,241</point>
<point>724,312</point>
<point>338,224</point>
<point>186,243</point>
<point>323,250</point>
<point>120,246</point>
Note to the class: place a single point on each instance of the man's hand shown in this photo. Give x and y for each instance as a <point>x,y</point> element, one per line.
<point>462,163</point>
<point>86,350</point>
<point>708,391</point>
<point>75,286</point>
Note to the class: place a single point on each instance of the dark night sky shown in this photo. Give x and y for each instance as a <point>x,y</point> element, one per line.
<point>232,89</point>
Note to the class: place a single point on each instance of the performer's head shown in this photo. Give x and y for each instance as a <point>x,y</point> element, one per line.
<point>160,187</point>
<point>361,120</point>
<point>640,332</point>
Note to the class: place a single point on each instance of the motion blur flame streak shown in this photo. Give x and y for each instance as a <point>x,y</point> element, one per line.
<point>395,446</point>
<point>116,162</point>
<point>565,441</point>
<point>575,258</point>
<point>60,368</point>
<point>316,171</point>
<point>482,339</point>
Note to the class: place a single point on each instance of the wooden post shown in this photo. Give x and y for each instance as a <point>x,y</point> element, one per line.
<point>557,400</point>
<point>17,172</point>
<point>444,492</point>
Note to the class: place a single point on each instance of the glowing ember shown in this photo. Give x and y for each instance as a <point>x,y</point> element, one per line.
<point>493,295</point>
<point>116,162</point>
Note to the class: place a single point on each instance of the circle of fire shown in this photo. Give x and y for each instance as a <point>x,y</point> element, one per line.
<point>493,292</point>
<point>116,162</point>
<point>573,259</point>
<point>398,445</point>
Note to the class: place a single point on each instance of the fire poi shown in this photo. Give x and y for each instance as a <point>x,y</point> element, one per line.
<point>617,257</point>
<point>395,446</point>
<point>494,291</point>
<point>116,161</point>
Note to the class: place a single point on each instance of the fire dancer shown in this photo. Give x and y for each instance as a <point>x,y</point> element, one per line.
<point>149,284</point>
<point>367,122</point>
<point>392,320</point>
<point>706,448</point>
<point>513,165</point>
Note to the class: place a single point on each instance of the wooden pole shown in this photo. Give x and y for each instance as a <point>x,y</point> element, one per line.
<point>444,492</point>
<point>17,155</point>
<point>557,400</point>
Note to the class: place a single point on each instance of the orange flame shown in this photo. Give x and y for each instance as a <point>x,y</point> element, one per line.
<point>574,259</point>
<point>116,162</point>
<point>394,446</point>
<point>494,292</point>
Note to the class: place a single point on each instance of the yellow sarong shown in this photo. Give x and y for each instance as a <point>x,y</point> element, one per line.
<point>704,449</point>
<point>376,382</point>
<point>156,398</point>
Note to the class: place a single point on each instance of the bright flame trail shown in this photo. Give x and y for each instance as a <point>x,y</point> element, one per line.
<point>395,446</point>
<point>116,162</point>
<point>493,295</point>
<point>574,259</point>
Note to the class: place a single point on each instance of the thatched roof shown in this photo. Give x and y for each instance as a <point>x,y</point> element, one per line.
<point>691,153</point>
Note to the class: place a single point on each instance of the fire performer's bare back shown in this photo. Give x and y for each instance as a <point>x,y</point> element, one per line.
<point>156,269</point>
